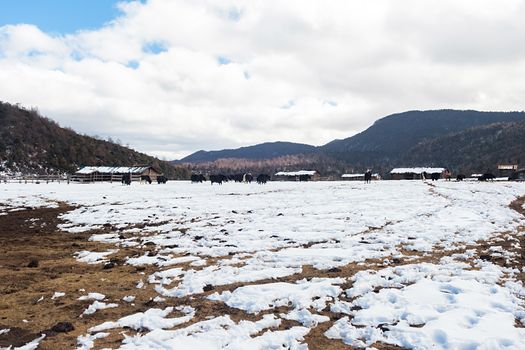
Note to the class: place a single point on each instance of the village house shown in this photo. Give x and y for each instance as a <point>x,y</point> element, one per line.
<point>506,170</point>
<point>301,175</point>
<point>89,174</point>
<point>416,173</point>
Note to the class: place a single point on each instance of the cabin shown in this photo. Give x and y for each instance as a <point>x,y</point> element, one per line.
<point>301,175</point>
<point>90,174</point>
<point>518,175</point>
<point>506,170</point>
<point>415,173</point>
<point>359,177</point>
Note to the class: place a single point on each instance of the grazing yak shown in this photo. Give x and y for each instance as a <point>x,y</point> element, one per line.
<point>435,176</point>
<point>247,178</point>
<point>220,178</point>
<point>263,178</point>
<point>146,178</point>
<point>126,179</point>
<point>368,176</point>
<point>486,176</point>
<point>161,179</point>
<point>460,177</point>
<point>197,178</point>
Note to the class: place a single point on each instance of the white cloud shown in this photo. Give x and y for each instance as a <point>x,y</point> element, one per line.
<point>171,77</point>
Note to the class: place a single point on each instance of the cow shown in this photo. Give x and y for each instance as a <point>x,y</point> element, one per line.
<point>486,176</point>
<point>435,176</point>
<point>368,176</point>
<point>220,178</point>
<point>304,177</point>
<point>263,178</point>
<point>126,179</point>
<point>146,178</point>
<point>460,177</point>
<point>197,178</point>
<point>161,179</point>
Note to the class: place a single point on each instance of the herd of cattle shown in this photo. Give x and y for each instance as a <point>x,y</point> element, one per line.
<point>220,178</point>
<point>263,178</point>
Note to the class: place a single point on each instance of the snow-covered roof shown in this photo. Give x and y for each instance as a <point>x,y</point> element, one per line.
<point>357,175</point>
<point>113,169</point>
<point>417,170</point>
<point>296,173</point>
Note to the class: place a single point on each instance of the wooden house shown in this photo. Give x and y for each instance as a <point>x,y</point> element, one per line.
<point>301,175</point>
<point>416,173</point>
<point>506,170</point>
<point>89,174</point>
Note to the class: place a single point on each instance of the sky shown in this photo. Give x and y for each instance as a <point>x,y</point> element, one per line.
<point>170,77</point>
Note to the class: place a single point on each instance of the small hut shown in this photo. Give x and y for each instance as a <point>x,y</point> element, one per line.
<point>416,173</point>
<point>301,175</point>
<point>518,175</point>
<point>89,174</point>
<point>506,170</point>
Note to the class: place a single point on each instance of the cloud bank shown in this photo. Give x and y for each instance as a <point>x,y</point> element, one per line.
<point>169,77</point>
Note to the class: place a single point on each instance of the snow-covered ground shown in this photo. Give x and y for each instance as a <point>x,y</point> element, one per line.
<point>410,274</point>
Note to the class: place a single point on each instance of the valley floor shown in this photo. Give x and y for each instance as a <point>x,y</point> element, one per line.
<point>320,265</point>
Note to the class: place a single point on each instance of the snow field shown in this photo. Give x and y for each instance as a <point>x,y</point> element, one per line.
<point>201,235</point>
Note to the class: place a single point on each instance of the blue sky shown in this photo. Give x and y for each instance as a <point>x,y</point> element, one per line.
<point>58,16</point>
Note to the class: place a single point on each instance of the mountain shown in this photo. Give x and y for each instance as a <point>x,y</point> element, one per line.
<point>33,144</point>
<point>413,138</point>
<point>261,151</point>
<point>475,150</point>
<point>388,140</point>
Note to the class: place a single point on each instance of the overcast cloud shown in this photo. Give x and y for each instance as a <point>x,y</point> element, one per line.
<point>170,77</point>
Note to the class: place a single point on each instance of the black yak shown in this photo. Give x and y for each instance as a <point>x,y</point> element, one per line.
<point>263,178</point>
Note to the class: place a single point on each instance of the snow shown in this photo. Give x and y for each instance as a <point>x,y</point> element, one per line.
<point>4,331</point>
<point>260,242</point>
<point>98,305</point>
<point>129,298</point>
<point>222,333</point>
<point>32,345</point>
<point>417,170</point>
<point>93,296</point>
<point>57,295</point>
<point>94,257</point>
<point>151,319</point>
<point>296,173</point>
<point>431,306</point>
<point>300,295</point>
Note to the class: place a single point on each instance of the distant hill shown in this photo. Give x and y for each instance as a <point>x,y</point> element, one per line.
<point>404,139</point>
<point>387,142</point>
<point>268,150</point>
<point>33,144</point>
<point>474,150</point>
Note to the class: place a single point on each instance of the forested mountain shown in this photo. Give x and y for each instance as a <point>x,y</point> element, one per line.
<point>474,150</point>
<point>389,139</point>
<point>32,144</point>
<point>268,150</point>
<point>468,140</point>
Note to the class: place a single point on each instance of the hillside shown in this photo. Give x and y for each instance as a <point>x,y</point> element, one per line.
<point>32,144</point>
<point>268,150</point>
<point>389,139</point>
<point>474,150</point>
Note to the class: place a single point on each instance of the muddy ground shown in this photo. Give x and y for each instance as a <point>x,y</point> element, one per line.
<point>37,260</point>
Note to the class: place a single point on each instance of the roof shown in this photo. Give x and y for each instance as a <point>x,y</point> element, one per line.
<point>507,166</point>
<point>296,173</point>
<point>113,169</point>
<point>356,175</point>
<point>417,170</point>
